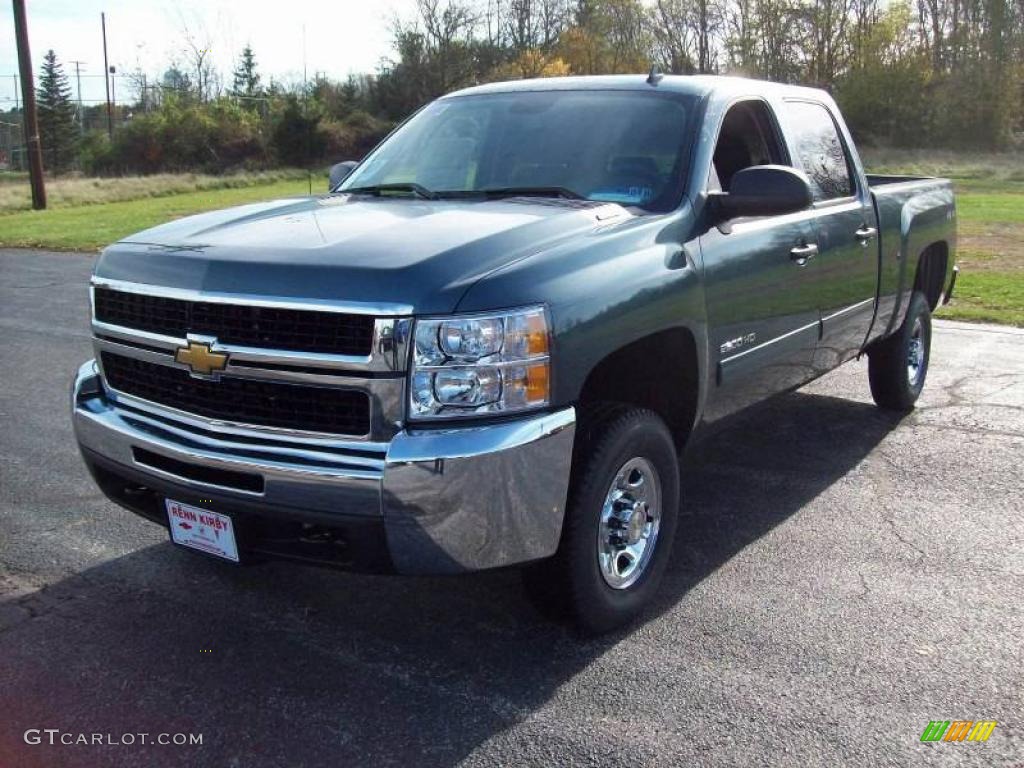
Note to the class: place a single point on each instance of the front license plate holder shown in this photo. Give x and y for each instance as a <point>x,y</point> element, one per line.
<point>202,529</point>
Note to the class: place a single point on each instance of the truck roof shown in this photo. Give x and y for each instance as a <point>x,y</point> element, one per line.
<point>696,85</point>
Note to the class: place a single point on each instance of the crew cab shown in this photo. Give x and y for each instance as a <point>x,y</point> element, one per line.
<point>487,344</point>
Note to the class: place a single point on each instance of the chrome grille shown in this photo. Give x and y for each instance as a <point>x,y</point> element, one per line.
<point>298,394</point>
<point>266,403</point>
<point>278,328</point>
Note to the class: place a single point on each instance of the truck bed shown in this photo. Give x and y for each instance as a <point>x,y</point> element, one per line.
<point>914,212</point>
<point>881,179</point>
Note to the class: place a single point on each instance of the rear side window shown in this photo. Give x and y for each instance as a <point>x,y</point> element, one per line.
<point>818,149</point>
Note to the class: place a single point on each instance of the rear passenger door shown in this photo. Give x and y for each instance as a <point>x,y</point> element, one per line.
<point>847,273</point>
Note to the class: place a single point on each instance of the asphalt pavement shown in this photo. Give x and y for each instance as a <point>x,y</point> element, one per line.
<point>842,577</point>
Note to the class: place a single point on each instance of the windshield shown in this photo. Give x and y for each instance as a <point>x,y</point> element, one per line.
<point>613,146</point>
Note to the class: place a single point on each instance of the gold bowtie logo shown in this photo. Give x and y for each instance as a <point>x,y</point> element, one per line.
<point>200,358</point>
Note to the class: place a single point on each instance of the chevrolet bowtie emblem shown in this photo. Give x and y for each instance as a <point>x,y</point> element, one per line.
<point>200,358</point>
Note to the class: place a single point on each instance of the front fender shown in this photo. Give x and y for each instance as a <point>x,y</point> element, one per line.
<point>604,291</point>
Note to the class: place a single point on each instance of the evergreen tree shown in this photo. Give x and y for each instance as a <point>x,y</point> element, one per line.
<point>177,81</point>
<point>246,78</point>
<point>298,138</point>
<point>56,115</point>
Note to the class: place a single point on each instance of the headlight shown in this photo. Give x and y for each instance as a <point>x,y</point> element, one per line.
<point>480,364</point>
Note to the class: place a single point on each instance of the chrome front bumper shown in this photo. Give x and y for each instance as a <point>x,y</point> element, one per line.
<point>449,500</point>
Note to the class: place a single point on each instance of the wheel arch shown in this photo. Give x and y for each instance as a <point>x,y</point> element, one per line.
<point>930,272</point>
<point>660,372</point>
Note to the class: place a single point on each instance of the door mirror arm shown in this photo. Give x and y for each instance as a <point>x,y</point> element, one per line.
<point>718,214</point>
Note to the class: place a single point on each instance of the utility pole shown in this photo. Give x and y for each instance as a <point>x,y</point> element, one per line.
<point>106,78</point>
<point>305,112</point>
<point>78,81</point>
<point>17,104</point>
<point>28,95</point>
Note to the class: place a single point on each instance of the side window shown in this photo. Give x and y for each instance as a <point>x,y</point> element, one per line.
<point>818,149</point>
<point>748,137</point>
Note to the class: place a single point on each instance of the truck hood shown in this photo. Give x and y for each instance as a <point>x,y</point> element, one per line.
<point>417,255</point>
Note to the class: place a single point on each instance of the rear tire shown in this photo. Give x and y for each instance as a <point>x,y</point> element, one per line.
<point>898,365</point>
<point>619,524</point>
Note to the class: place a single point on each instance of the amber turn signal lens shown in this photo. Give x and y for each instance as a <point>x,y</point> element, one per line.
<point>537,383</point>
<point>536,335</point>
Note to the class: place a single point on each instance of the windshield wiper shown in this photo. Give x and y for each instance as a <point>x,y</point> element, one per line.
<point>496,193</point>
<point>378,189</point>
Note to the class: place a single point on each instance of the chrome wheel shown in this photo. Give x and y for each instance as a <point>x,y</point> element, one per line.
<point>630,519</point>
<point>915,354</point>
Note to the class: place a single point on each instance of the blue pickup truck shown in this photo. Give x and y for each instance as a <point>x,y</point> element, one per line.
<point>487,344</point>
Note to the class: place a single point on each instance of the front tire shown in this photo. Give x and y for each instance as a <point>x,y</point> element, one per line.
<point>898,365</point>
<point>619,524</point>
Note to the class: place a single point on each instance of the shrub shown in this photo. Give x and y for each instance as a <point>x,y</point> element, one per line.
<point>353,137</point>
<point>180,136</point>
<point>95,154</point>
<point>298,138</point>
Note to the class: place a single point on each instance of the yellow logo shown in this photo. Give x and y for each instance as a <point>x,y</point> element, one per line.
<point>200,358</point>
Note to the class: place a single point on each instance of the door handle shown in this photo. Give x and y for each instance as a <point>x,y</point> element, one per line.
<point>865,234</point>
<point>802,253</point>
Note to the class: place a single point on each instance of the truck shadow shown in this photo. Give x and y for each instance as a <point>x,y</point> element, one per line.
<point>288,665</point>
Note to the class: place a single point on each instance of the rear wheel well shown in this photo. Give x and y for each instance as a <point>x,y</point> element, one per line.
<point>658,372</point>
<point>931,272</point>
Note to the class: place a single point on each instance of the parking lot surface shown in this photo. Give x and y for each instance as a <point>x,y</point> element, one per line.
<point>842,577</point>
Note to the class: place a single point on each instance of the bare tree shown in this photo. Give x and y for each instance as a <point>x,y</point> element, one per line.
<point>779,39</point>
<point>688,31</point>
<point>447,22</point>
<point>627,31</point>
<point>865,15</point>
<point>521,25</point>
<point>741,37</point>
<point>553,19</point>
<point>494,23</point>
<point>198,51</point>
<point>672,35</point>
<point>827,28</point>
<point>448,28</point>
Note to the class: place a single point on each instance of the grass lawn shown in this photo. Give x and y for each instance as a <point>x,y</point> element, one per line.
<point>71,190</point>
<point>91,227</point>
<point>990,207</point>
<point>989,297</point>
<point>990,253</point>
<point>991,256</point>
<point>1005,207</point>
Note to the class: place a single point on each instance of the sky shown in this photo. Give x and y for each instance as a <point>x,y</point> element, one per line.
<point>341,37</point>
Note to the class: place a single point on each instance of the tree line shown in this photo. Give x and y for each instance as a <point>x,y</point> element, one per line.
<point>906,72</point>
<point>941,73</point>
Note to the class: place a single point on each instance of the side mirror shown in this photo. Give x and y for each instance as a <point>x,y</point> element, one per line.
<point>339,172</point>
<point>764,190</point>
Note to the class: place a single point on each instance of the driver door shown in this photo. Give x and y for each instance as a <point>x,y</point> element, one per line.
<point>762,307</point>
